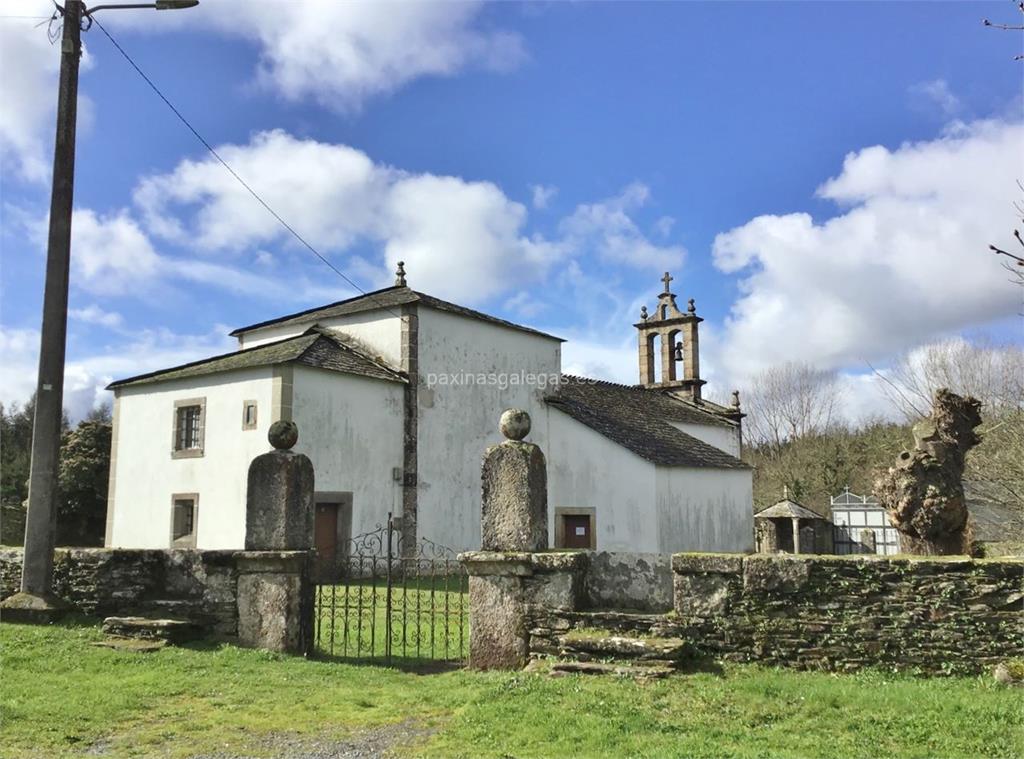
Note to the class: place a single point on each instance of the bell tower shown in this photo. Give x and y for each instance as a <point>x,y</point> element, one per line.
<point>669,336</point>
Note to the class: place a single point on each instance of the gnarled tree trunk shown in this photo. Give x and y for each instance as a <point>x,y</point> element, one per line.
<point>924,492</point>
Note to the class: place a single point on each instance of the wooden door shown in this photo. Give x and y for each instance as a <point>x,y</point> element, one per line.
<point>577,530</point>
<point>325,538</point>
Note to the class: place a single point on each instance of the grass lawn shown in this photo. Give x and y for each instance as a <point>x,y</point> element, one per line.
<point>59,696</point>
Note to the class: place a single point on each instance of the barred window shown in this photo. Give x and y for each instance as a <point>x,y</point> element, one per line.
<point>189,424</point>
<point>188,427</point>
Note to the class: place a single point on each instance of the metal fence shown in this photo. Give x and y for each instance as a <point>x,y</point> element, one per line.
<point>388,603</point>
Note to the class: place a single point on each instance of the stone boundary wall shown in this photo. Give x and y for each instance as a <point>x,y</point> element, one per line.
<point>935,614</point>
<point>12,524</point>
<point>204,586</point>
<point>619,580</point>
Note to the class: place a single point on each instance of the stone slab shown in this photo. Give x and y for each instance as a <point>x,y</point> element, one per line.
<point>147,628</point>
<point>131,645</point>
<point>32,609</point>
<point>617,670</point>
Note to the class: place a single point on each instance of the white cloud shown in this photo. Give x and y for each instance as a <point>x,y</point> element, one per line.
<point>337,54</point>
<point>525,305</point>
<point>28,89</point>
<point>663,226</point>
<point>93,314</point>
<point>608,228</point>
<point>340,54</point>
<point>937,93</point>
<point>112,255</point>
<point>615,362</point>
<point>459,239</point>
<point>542,195</point>
<point>907,261</point>
<point>85,377</point>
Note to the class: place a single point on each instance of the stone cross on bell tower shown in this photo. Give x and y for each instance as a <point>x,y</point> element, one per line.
<point>670,336</point>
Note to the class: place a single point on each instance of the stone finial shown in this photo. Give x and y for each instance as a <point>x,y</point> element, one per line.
<point>691,306</point>
<point>515,492</point>
<point>283,435</point>
<point>785,492</point>
<point>400,274</point>
<point>279,510</point>
<point>643,313</point>
<point>515,424</point>
<point>667,279</point>
<point>736,399</point>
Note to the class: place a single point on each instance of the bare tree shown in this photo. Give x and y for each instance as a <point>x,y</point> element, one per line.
<point>1016,263</point>
<point>1009,27</point>
<point>790,401</point>
<point>990,372</point>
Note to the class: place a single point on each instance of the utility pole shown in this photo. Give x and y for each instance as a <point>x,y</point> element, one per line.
<point>36,601</point>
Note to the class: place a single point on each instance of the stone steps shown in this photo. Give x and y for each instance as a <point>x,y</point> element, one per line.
<point>608,641</point>
<point>586,645</point>
<point>152,629</point>
<point>636,671</point>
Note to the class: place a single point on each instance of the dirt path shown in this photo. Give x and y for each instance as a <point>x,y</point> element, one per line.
<point>378,742</point>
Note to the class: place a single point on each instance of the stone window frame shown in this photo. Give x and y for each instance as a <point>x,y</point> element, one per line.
<point>255,414</point>
<point>186,541</point>
<point>189,453</point>
<point>575,511</point>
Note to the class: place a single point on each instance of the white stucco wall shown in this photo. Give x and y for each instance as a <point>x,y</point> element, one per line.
<point>379,330</point>
<point>723,438</point>
<point>704,509</point>
<point>458,422</point>
<point>351,428</point>
<point>586,469</point>
<point>146,476</point>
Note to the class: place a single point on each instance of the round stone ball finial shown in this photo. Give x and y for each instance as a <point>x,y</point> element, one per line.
<point>515,424</point>
<point>283,434</point>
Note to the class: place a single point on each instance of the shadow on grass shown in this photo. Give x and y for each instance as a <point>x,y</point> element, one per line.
<point>402,664</point>
<point>701,665</point>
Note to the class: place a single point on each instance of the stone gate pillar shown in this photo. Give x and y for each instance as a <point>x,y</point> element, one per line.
<point>509,572</point>
<point>275,572</point>
<point>515,490</point>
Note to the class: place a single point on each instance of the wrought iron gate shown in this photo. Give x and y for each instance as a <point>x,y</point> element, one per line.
<point>386,602</point>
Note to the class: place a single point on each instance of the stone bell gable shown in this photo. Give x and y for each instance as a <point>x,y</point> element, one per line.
<point>670,336</point>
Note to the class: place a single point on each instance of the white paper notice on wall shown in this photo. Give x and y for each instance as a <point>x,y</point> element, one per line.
<point>581,530</point>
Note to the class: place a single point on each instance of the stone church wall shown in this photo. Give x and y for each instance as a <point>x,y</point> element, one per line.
<point>936,615</point>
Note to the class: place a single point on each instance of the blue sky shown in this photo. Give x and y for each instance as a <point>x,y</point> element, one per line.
<point>824,178</point>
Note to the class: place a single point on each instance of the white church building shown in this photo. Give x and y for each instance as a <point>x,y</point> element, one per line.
<point>396,395</point>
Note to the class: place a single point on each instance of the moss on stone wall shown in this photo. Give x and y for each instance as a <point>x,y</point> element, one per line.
<point>933,614</point>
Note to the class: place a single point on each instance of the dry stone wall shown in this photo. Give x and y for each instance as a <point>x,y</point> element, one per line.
<point>935,615</point>
<point>202,586</point>
<point>638,581</point>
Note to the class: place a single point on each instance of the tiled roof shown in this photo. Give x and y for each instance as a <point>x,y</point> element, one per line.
<point>639,419</point>
<point>789,509</point>
<point>314,348</point>
<point>388,298</point>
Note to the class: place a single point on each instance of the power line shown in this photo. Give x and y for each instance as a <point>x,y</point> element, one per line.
<point>231,171</point>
